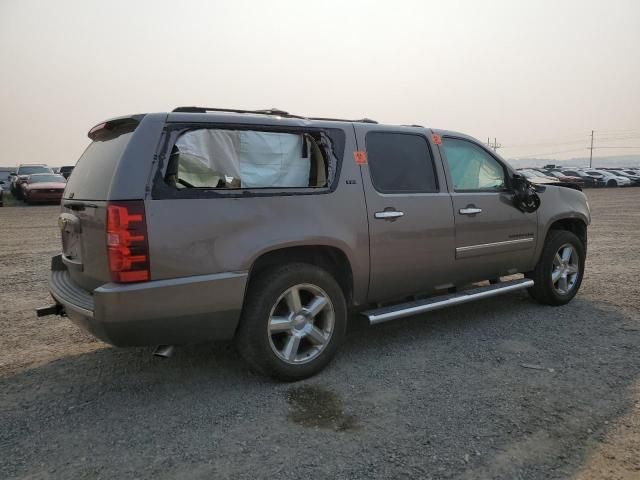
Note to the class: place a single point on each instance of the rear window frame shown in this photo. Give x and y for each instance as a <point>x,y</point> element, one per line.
<point>430,159</point>
<point>162,191</point>
<point>129,129</point>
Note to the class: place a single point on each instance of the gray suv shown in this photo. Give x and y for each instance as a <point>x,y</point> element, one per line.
<point>268,228</point>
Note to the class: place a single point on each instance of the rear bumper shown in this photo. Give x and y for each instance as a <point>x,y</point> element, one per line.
<point>176,311</point>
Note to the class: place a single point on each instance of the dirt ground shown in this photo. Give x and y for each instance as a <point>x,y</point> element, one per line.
<point>443,395</point>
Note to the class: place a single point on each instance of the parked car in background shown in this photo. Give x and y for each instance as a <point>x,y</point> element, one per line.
<point>66,171</point>
<point>2,183</point>
<point>21,174</point>
<point>5,175</point>
<point>588,180</point>
<point>610,179</point>
<point>43,188</point>
<point>575,179</point>
<point>634,177</point>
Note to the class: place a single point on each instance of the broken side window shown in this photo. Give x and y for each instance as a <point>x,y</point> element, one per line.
<point>248,159</point>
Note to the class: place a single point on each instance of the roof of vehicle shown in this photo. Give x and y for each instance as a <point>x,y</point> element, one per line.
<point>195,114</point>
<point>270,116</point>
<point>270,119</point>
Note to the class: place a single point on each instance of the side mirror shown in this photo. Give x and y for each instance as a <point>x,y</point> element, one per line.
<point>518,182</point>
<point>525,197</point>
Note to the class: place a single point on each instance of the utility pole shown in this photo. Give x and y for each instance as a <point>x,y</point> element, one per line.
<point>495,145</point>
<point>591,151</point>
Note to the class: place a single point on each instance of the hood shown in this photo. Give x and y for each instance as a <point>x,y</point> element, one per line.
<point>46,186</point>
<point>544,180</point>
<point>573,185</point>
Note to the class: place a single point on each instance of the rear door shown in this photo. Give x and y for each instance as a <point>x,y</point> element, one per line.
<point>409,212</point>
<point>84,205</point>
<point>492,236</point>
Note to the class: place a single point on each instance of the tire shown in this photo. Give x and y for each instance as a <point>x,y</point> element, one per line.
<point>270,327</point>
<point>549,268</point>
<point>612,183</point>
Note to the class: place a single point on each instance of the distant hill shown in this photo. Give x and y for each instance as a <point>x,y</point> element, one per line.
<point>611,161</point>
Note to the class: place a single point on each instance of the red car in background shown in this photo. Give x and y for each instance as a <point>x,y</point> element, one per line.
<point>43,187</point>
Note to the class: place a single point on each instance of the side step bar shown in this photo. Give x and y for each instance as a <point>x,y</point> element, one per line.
<point>392,312</point>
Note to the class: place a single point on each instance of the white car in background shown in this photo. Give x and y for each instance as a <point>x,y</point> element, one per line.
<point>610,179</point>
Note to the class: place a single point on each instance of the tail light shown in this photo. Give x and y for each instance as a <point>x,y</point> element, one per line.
<point>127,242</point>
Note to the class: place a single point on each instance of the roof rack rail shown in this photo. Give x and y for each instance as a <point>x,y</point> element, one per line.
<point>362,120</point>
<point>266,111</point>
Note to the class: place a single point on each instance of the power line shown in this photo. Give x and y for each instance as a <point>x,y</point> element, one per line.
<point>495,145</point>
<point>591,150</point>
<point>517,146</point>
<point>616,147</point>
<point>551,153</point>
<point>619,138</point>
<point>620,131</point>
<point>590,145</point>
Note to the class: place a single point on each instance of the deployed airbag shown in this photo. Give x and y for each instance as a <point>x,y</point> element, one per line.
<point>248,159</point>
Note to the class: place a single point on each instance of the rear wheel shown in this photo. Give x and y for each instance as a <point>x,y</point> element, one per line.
<point>293,321</point>
<point>612,183</point>
<point>558,274</point>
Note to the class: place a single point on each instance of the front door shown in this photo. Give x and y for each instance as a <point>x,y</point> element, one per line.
<point>409,213</point>
<point>492,236</point>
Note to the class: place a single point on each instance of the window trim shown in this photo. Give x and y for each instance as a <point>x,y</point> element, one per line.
<point>430,158</point>
<point>161,191</point>
<point>505,168</point>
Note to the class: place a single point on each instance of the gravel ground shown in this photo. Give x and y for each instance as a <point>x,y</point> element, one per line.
<point>444,395</point>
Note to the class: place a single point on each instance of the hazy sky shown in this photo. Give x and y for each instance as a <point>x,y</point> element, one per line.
<point>535,74</point>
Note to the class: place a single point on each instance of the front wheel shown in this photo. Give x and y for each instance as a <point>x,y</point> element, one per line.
<point>293,321</point>
<point>558,274</point>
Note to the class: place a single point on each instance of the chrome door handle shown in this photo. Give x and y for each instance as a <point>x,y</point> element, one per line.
<point>470,211</point>
<point>389,214</point>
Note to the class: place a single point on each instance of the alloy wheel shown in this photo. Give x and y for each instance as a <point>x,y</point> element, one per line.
<point>565,270</point>
<point>301,323</point>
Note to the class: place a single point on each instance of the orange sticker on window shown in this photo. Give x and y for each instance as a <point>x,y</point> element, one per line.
<point>360,157</point>
<point>437,139</point>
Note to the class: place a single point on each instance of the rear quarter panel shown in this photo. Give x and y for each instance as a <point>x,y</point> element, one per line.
<point>198,236</point>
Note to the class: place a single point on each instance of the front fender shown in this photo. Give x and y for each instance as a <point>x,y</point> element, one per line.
<point>560,203</point>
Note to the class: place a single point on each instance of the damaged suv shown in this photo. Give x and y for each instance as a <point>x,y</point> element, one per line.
<point>268,228</point>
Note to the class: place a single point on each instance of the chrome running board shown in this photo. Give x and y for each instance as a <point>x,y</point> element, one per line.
<point>392,312</point>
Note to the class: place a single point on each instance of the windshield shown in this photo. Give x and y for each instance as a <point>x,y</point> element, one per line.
<point>34,169</point>
<point>47,178</point>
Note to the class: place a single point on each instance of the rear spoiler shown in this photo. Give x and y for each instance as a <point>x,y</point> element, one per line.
<point>108,126</point>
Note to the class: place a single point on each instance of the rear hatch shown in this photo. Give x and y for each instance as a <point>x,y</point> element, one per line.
<point>83,216</point>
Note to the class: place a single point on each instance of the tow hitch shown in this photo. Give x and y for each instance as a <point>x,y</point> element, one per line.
<point>54,309</point>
